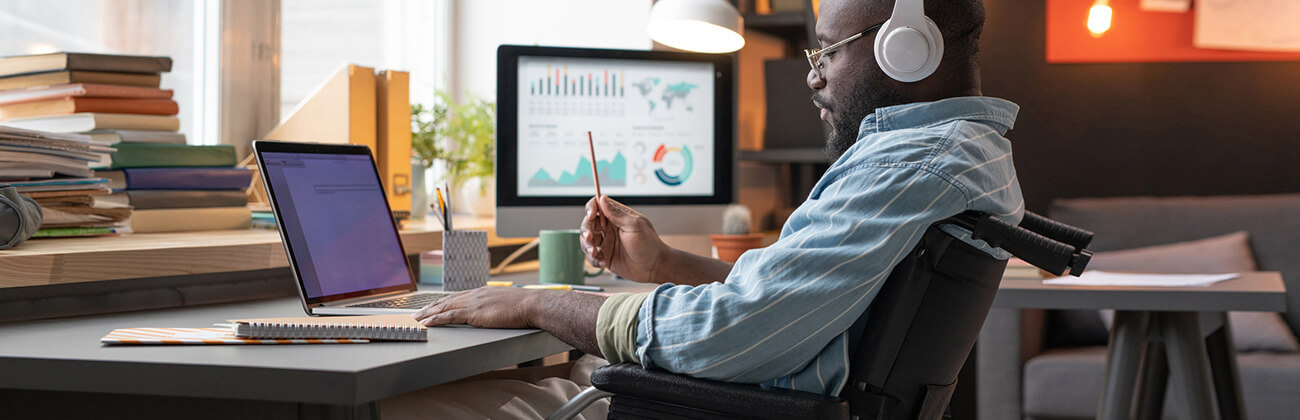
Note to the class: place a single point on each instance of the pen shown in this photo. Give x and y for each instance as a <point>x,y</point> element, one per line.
<point>447,209</point>
<point>442,210</point>
<point>578,287</point>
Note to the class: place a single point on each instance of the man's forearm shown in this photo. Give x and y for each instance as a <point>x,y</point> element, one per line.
<point>569,316</point>
<point>681,267</point>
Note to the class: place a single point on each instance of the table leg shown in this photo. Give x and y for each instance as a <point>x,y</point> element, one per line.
<point>1223,365</point>
<point>367,411</point>
<point>1152,383</point>
<point>1188,361</point>
<point>1122,361</point>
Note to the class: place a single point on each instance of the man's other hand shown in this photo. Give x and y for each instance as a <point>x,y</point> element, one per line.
<point>624,242</point>
<point>484,307</point>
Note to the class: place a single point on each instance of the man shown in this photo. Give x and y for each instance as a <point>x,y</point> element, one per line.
<point>906,155</point>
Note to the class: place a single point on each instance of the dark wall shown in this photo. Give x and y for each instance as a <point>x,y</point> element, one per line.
<point>1097,130</point>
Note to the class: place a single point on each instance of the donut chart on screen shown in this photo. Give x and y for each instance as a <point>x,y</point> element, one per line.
<point>662,172</point>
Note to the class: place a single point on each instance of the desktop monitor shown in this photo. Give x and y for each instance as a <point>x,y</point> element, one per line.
<point>663,124</point>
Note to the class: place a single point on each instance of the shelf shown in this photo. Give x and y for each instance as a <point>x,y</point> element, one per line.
<point>780,20</point>
<point>71,260</point>
<point>800,155</point>
<point>787,25</point>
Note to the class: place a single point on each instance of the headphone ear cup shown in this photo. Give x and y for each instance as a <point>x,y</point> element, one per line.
<point>909,53</point>
<point>936,49</point>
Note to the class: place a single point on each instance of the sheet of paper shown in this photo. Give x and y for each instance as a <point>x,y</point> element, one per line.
<point>1256,25</point>
<point>1105,278</point>
<point>1177,6</point>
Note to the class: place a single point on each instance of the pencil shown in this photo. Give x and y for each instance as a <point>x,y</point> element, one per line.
<point>442,210</point>
<point>595,175</point>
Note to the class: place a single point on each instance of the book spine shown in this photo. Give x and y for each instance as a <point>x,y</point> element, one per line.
<point>74,231</point>
<point>109,78</point>
<point>148,136</point>
<point>173,199</point>
<point>189,220</point>
<point>133,155</point>
<point>119,63</point>
<point>187,178</point>
<point>126,106</point>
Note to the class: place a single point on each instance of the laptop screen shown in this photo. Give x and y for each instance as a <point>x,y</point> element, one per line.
<point>336,220</point>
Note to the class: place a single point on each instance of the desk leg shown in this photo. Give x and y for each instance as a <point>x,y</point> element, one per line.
<point>368,411</point>
<point>1223,364</point>
<point>1122,361</point>
<point>1152,384</point>
<point>1189,362</point>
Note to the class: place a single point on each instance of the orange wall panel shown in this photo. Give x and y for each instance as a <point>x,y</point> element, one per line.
<point>1134,36</point>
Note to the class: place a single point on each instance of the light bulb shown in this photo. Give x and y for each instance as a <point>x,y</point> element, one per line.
<point>1099,18</point>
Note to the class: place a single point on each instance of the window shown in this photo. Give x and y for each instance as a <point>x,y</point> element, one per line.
<point>317,37</point>
<point>145,27</point>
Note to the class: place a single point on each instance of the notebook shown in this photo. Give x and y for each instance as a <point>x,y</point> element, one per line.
<point>398,327</point>
<point>200,336</point>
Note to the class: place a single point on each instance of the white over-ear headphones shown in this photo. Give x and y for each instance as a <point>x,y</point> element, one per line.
<point>909,46</point>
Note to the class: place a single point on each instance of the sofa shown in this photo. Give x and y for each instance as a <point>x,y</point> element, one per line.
<point>1048,365</point>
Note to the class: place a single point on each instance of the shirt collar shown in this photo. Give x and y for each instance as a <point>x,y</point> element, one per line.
<point>998,113</point>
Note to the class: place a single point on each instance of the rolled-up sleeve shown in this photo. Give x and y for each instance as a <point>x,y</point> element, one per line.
<point>616,327</point>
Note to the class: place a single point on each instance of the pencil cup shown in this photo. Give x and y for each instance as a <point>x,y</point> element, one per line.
<point>464,260</point>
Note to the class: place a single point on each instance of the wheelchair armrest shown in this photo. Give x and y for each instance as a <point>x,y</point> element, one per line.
<point>628,379</point>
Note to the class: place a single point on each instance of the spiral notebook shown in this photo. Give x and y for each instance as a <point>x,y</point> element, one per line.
<point>397,327</point>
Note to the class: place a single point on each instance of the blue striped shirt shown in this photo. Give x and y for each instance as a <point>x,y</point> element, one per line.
<point>781,316</point>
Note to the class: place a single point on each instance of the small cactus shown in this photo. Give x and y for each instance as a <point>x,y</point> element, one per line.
<point>736,220</point>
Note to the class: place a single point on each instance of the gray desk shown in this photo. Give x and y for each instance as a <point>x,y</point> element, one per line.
<point>1158,330</point>
<point>343,380</point>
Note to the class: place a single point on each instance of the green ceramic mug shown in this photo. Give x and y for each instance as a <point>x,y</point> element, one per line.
<point>561,258</point>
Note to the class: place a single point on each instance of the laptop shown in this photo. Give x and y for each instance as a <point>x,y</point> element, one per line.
<point>338,230</point>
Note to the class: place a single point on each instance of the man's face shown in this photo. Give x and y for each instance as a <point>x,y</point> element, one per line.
<point>852,85</point>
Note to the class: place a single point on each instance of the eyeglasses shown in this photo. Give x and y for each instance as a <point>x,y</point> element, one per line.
<point>815,55</point>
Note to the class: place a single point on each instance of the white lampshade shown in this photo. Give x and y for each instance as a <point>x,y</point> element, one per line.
<point>708,26</point>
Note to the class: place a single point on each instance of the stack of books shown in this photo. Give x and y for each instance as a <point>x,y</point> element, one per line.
<point>263,217</point>
<point>179,188</point>
<point>54,169</point>
<point>111,98</point>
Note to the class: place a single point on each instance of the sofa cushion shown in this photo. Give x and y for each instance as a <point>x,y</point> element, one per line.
<point>1251,331</point>
<point>1273,222</point>
<point>1220,254</point>
<point>1066,384</point>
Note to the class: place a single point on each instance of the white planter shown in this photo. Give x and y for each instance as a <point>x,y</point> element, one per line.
<point>478,197</point>
<point>419,191</point>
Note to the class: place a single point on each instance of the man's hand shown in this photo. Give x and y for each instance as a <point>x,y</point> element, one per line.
<point>624,242</point>
<point>484,307</point>
<point>569,316</point>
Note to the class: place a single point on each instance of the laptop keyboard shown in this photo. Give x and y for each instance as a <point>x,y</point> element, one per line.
<point>403,302</point>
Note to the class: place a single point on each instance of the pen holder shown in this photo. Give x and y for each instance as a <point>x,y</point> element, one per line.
<point>464,260</point>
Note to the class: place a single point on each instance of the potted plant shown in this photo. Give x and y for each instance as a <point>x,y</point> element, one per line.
<point>460,138</point>
<point>736,237</point>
